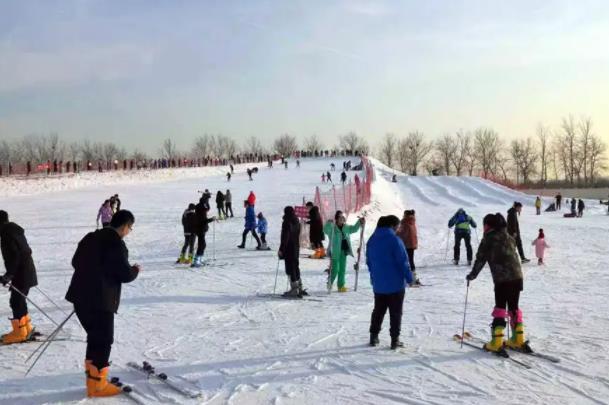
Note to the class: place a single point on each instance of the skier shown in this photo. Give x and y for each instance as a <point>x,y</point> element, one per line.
<point>289,251</point>
<point>580,208</point>
<point>21,274</point>
<point>250,225</point>
<point>220,205</point>
<point>189,223</point>
<point>228,176</point>
<point>343,177</point>
<point>201,228</point>
<point>228,203</point>
<point>340,246</point>
<point>540,247</point>
<point>297,162</point>
<point>205,198</point>
<point>387,262</point>
<point>285,164</point>
<point>332,166</point>
<point>232,169</point>
<point>251,198</point>
<point>118,202</point>
<point>262,227</point>
<point>513,228</point>
<point>316,233</point>
<point>462,222</point>
<point>499,250</point>
<point>101,265</point>
<point>323,177</point>
<point>407,232</point>
<point>538,205</point>
<point>105,214</point>
<point>249,173</point>
<point>394,179</point>
<point>113,204</point>
<point>558,201</point>
<point>329,177</point>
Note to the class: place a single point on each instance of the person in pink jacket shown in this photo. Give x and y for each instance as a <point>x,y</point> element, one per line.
<point>540,247</point>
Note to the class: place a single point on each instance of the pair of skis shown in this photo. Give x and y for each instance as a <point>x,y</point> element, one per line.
<point>181,387</point>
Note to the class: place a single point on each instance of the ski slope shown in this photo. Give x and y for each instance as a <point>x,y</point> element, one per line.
<point>208,326</point>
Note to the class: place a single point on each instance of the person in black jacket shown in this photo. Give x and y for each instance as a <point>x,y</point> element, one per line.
<point>220,204</point>
<point>21,274</point>
<point>316,233</point>
<point>580,208</point>
<point>101,266</point>
<point>189,222</point>
<point>289,251</point>
<point>205,198</point>
<point>513,228</point>
<point>201,228</point>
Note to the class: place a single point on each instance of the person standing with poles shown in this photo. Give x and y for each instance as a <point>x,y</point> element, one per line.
<point>20,276</point>
<point>289,251</point>
<point>462,222</point>
<point>340,246</point>
<point>189,223</point>
<point>101,266</point>
<point>389,274</point>
<point>513,228</point>
<point>498,249</point>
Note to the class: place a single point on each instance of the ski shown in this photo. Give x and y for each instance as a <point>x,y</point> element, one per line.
<point>149,371</point>
<point>525,350</point>
<point>129,391</point>
<point>281,296</point>
<point>503,353</point>
<point>359,254</point>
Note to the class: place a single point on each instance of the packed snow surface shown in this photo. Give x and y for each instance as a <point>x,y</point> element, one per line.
<point>208,326</point>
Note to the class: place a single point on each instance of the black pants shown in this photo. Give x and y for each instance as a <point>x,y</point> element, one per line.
<point>18,303</point>
<point>292,268</point>
<point>558,207</point>
<point>316,243</point>
<point>394,302</point>
<point>189,243</point>
<point>99,326</point>
<point>519,247</point>
<point>411,259</point>
<point>201,245</point>
<point>263,237</point>
<point>229,207</point>
<point>507,295</point>
<point>468,245</point>
<point>221,211</point>
<point>254,234</point>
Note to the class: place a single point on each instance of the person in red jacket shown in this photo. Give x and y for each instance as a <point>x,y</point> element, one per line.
<point>251,199</point>
<point>407,232</point>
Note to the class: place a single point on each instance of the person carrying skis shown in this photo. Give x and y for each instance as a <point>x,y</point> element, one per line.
<point>220,205</point>
<point>387,262</point>
<point>498,249</point>
<point>201,228</point>
<point>250,225</point>
<point>513,228</point>
<point>21,274</point>
<point>105,214</point>
<point>462,222</point>
<point>189,223</point>
<point>407,232</point>
<point>340,246</point>
<point>540,247</point>
<point>228,204</point>
<point>101,266</point>
<point>580,208</point>
<point>538,205</point>
<point>289,251</point>
<point>262,227</point>
<point>316,233</point>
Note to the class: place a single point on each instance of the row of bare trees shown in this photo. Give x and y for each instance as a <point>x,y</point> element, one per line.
<point>571,153</point>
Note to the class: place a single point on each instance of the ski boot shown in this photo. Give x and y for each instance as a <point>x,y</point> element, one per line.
<point>303,292</point>
<point>517,340</point>
<point>241,246</point>
<point>456,262</point>
<point>374,339</point>
<point>342,289</point>
<point>197,262</point>
<point>469,262</point>
<point>18,334</point>
<point>28,326</point>
<point>188,260</point>
<point>525,260</point>
<point>496,342</point>
<point>180,259</point>
<point>396,343</point>
<point>322,253</point>
<point>416,282</point>
<point>294,291</point>
<point>97,382</point>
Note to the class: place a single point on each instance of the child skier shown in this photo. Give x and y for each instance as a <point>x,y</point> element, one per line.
<point>499,250</point>
<point>407,232</point>
<point>262,227</point>
<point>540,247</point>
<point>340,246</point>
<point>189,223</point>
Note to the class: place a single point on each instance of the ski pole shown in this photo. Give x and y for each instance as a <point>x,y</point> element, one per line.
<point>276,275</point>
<point>12,287</point>
<point>47,343</point>
<point>51,301</point>
<point>464,313</point>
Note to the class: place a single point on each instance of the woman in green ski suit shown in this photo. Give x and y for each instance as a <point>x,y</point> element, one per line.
<point>339,250</point>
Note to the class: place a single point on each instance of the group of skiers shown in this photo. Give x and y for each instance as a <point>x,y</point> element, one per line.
<point>107,210</point>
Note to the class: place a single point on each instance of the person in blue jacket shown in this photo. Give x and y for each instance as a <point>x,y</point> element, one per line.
<point>387,262</point>
<point>462,222</point>
<point>262,226</point>
<point>250,225</point>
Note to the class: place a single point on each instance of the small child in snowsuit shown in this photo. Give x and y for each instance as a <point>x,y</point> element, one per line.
<point>540,247</point>
<point>262,227</point>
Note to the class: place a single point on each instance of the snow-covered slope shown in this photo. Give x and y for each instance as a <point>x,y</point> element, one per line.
<point>209,327</point>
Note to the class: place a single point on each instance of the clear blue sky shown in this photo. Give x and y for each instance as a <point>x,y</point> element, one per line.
<point>136,72</point>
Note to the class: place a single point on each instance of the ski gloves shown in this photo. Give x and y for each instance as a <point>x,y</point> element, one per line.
<point>5,279</point>
<point>470,277</point>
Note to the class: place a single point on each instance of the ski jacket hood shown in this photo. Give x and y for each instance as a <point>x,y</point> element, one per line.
<point>17,256</point>
<point>498,249</point>
<point>407,232</point>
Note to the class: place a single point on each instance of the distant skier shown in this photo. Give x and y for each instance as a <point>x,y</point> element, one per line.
<point>220,198</point>
<point>538,205</point>
<point>340,246</point>
<point>205,199</point>
<point>228,176</point>
<point>316,233</point>
<point>343,177</point>
<point>394,179</point>
<point>249,173</point>
<point>407,232</point>
<point>558,201</point>
<point>462,222</point>
<point>250,225</point>
<point>498,249</point>
<point>201,228</point>
<point>513,228</point>
<point>580,208</point>
<point>289,251</point>
<point>262,227</point>
<point>285,164</point>
<point>189,223</point>
<point>387,262</point>
<point>329,177</point>
<point>228,203</point>
<point>297,162</point>
<point>540,247</point>
<point>105,214</point>
<point>323,177</point>
<point>232,169</point>
<point>332,166</point>
<point>21,274</point>
<point>101,265</point>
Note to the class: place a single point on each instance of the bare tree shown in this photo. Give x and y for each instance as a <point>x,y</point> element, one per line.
<point>568,141</point>
<point>169,149</point>
<point>139,156</point>
<point>388,149</point>
<point>543,136</point>
<point>487,146</point>
<point>224,147</point>
<point>253,145</point>
<point>313,144</point>
<point>585,137</point>
<point>74,149</point>
<point>412,152</point>
<point>202,147</point>
<point>463,152</point>
<point>596,158</point>
<point>354,143</point>
<point>285,145</point>
<point>447,148</point>
<point>110,150</point>
<point>524,156</point>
